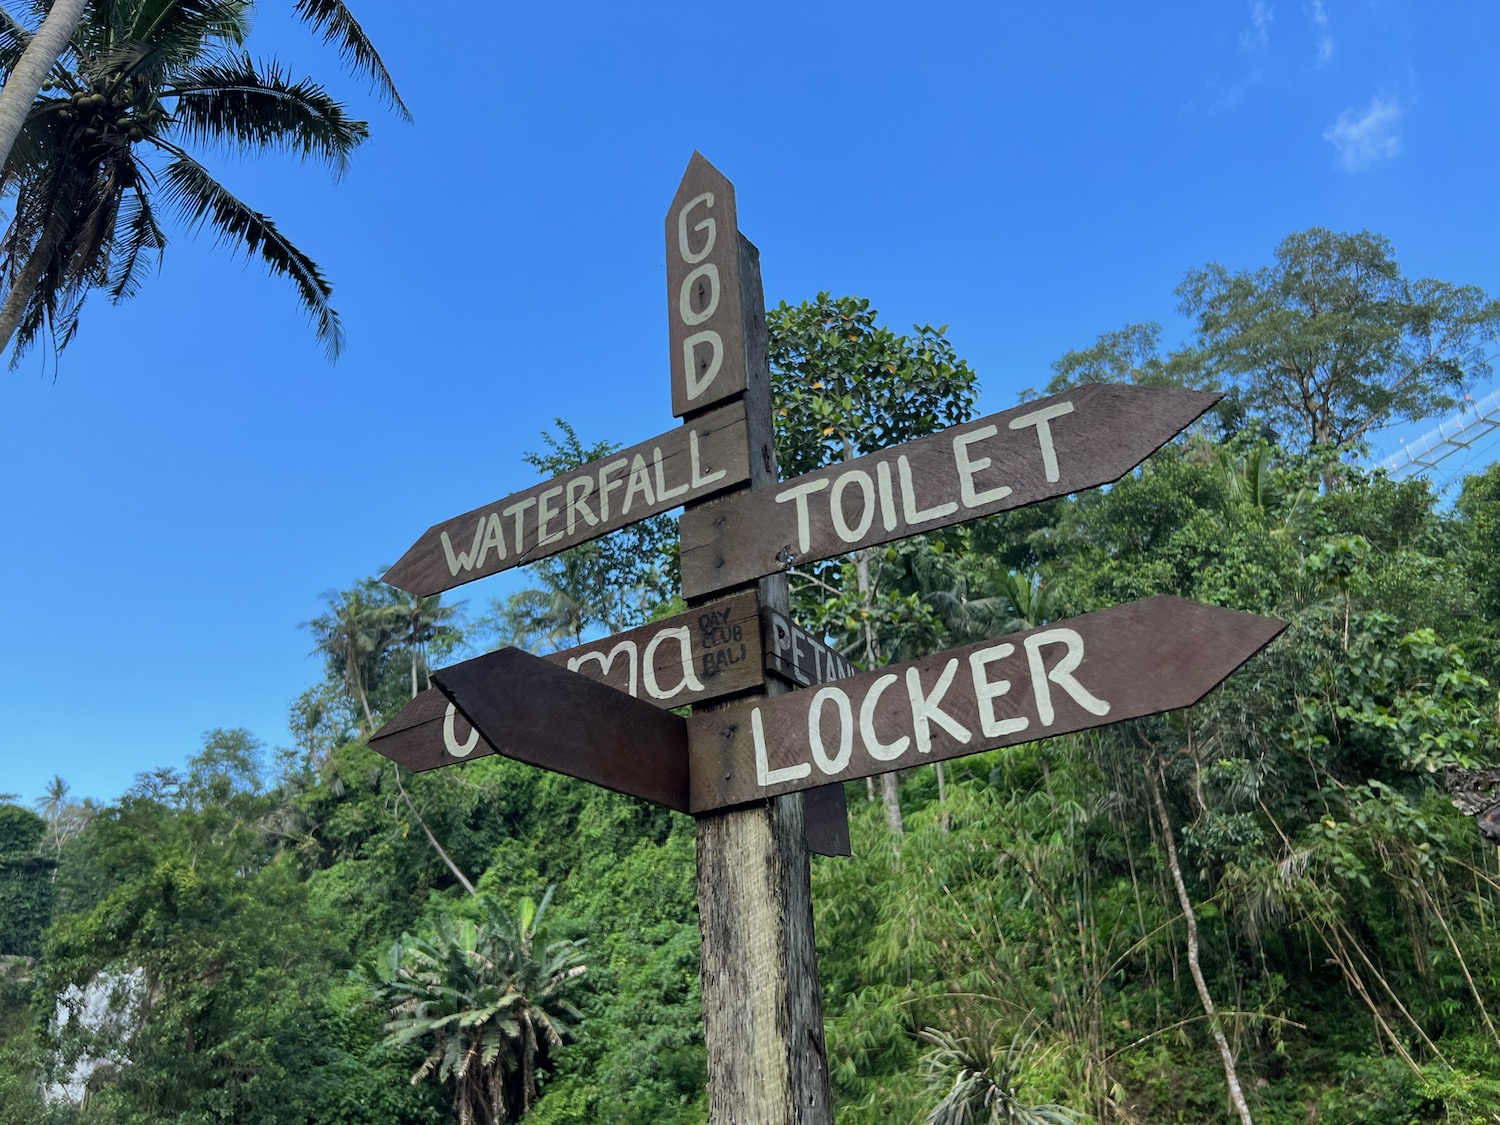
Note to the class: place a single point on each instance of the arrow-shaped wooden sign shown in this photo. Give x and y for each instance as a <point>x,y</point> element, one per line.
<point>1043,449</point>
<point>706,653</point>
<point>533,711</point>
<point>1120,663</point>
<point>702,458</point>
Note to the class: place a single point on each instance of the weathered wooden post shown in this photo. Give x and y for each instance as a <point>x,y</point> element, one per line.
<point>762,1005</point>
<point>759,771</point>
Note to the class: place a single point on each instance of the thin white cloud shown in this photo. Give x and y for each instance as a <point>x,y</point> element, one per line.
<point>1325,50</point>
<point>1258,35</point>
<point>1369,138</point>
<point>1318,14</point>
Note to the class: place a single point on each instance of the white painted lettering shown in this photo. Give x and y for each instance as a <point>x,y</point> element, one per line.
<point>578,492</point>
<point>840,701</point>
<point>640,481</point>
<point>986,691</point>
<point>605,484</point>
<point>685,309</point>
<point>692,257</point>
<point>926,708</point>
<point>464,559</point>
<point>764,775</point>
<point>699,480</point>
<point>663,493</point>
<point>519,508</point>
<point>1060,673</point>
<point>968,467</point>
<point>632,662</point>
<point>545,514</point>
<point>696,383</point>
<point>866,509</point>
<point>880,751</point>
<point>684,638</point>
<point>909,498</point>
<point>494,536</point>
<point>1040,419</point>
<point>800,493</point>
<point>450,736</point>
<point>887,495</point>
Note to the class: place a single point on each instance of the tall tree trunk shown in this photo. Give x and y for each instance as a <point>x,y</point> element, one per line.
<point>431,839</point>
<point>25,284</point>
<point>414,671</point>
<point>36,62</point>
<point>1231,1075</point>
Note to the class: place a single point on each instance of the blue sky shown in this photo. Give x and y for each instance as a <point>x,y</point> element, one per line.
<point>176,493</point>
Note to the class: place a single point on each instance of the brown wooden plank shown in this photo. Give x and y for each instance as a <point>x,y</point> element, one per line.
<point>1073,441</point>
<point>1120,663</point>
<point>825,827</point>
<point>704,304</point>
<point>700,458</point>
<point>706,653</point>
<point>533,711</point>
<point>798,656</point>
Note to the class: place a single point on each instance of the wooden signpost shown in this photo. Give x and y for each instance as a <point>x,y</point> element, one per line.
<point>698,460</point>
<point>762,767</point>
<point>705,654</point>
<point>1035,452</point>
<point>1120,663</point>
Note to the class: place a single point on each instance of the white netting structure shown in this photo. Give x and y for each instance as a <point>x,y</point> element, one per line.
<point>1468,435</point>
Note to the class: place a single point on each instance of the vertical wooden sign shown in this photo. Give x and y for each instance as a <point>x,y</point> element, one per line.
<point>762,1003</point>
<point>704,301</point>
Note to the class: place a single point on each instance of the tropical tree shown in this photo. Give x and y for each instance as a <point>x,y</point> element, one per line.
<point>423,621</point>
<point>488,1000</point>
<point>353,635</point>
<point>844,386</point>
<point>139,82</point>
<point>1333,340</point>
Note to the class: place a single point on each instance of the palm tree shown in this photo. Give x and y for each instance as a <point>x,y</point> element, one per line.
<point>138,81</point>
<point>353,635</point>
<point>52,805</point>
<point>981,1082</point>
<point>424,620</point>
<point>485,1003</point>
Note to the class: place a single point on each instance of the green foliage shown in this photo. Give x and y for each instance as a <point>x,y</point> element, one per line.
<point>139,83</point>
<point>1333,340</point>
<point>488,1000</point>
<point>25,882</point>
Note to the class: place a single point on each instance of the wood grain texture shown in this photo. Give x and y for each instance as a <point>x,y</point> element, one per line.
<point>707,653</point>
<point>696,460</point>
<point>706,306</point>
<point>1066,443</point>
<point>1130,660</point>
<point>533,711</point>
<point>762,1004</point>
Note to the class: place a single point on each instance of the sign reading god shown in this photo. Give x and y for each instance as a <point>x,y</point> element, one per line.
<point>703,290</point>
<point>1069,442</point>
<point>699,459</point>
<point>1120,663</point>
<point>703,654</point>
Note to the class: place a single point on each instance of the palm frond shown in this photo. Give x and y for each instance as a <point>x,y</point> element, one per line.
<point>141,235</point>
<point>162,35</point>
<point>13,39</point>
<point>338,25</point>
<point>234,101</point>
<point>202,199</point>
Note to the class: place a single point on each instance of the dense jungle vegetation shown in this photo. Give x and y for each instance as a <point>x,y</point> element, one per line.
<point>1269,907</point>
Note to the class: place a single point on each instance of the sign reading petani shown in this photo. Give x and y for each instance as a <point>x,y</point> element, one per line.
<point>1069,442</point>
<point>1120,663</point>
